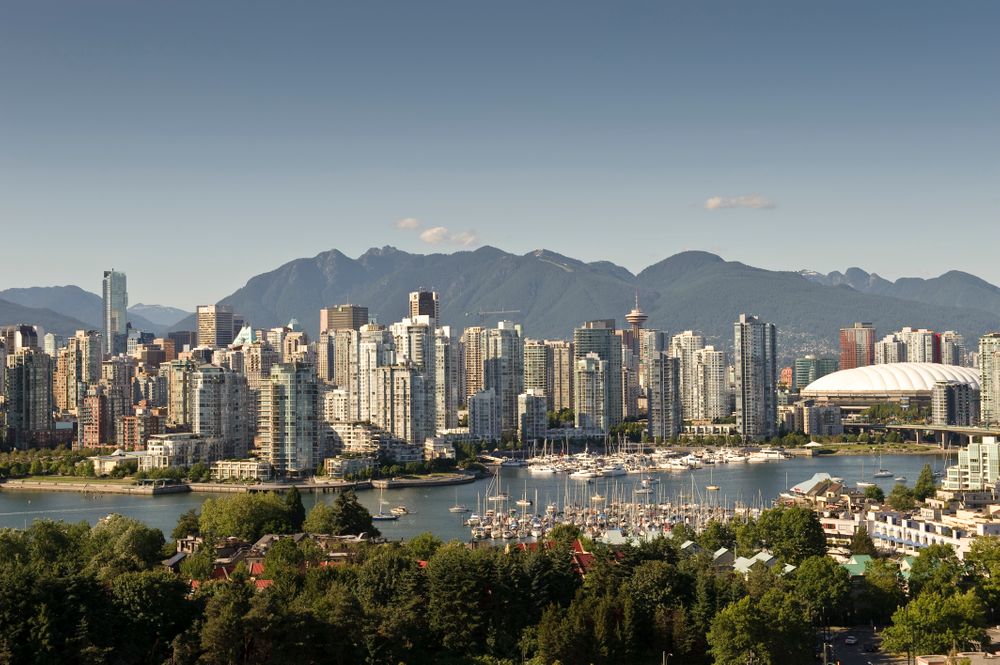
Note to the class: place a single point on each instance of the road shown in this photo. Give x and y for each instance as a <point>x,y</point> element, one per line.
<point>856,655</point>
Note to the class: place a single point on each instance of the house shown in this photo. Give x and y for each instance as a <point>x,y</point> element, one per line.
<point>857,565</point>
<point>723,558</point>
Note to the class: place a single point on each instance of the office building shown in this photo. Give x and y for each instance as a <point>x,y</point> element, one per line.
<point>19,336</point>
<point>425,303</point>
<point>287,426</point>
<point>215,326</point>
<point>342,317</point>
<point>810,368</point>
<point>857,346</point>
<point>756,377</point>
<point>664,397</point>
<point>115,312</point>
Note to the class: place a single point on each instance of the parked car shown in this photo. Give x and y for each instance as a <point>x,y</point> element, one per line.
<point>850,640</point>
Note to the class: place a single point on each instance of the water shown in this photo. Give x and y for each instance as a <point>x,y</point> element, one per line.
<point>749,483</point>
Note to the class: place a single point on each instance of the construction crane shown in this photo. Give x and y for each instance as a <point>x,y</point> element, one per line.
<point>496,312</point>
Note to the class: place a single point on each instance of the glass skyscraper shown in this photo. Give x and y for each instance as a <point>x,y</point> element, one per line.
<point>115,312</point>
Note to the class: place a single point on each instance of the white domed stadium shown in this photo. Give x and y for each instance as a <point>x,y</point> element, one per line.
<point>890,382</point>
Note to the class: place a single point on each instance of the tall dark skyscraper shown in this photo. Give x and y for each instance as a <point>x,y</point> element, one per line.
<point>115,312</point>
<point>342,317</point>
<point>425,303</point>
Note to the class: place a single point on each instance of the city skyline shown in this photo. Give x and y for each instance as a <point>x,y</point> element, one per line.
<point>424,129</point>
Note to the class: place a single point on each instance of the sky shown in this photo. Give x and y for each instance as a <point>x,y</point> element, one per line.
<point>195,144</point>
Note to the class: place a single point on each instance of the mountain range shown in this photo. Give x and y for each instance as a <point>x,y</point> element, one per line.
<point>65,309</point>
<point>552,294</point>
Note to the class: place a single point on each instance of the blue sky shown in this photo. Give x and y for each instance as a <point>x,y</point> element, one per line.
<point>196,144</point>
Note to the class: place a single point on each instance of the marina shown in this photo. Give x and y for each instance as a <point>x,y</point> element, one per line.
<point>636,496</point>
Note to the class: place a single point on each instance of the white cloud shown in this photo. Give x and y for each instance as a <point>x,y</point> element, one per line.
<point>440,235</point>
<point>746,201</point>
<point>408,223</point>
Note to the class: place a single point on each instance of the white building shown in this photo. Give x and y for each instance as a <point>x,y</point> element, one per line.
<point>532,415</point>
<point>978,467</point>
<point>989,373</point>
<point>484,416</point>
<point>683,347</point>
<point>591,394</point>
<point>221,408</point>
<point>711,387</point>
<point>665,419</point>
<point>288,428</point>
<point>756,377</point>
<point>178,450</point>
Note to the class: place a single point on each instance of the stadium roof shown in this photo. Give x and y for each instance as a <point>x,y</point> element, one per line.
<point>890,378</point>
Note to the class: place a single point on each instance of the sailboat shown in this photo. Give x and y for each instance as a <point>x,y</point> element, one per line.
<point>381,515</point>
<point>711,487</point>
<point>882,472</point>
<point>458,507</point>
<point>864,483</point>
<point>524,501</point>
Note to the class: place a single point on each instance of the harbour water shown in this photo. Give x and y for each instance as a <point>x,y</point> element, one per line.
<point>751,484</point>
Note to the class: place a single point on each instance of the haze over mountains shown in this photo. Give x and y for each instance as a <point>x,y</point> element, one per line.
<point>554,293</point>
<point>71,308</point>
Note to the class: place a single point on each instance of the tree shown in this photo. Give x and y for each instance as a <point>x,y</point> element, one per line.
<point>226,636</point>
<point>247,516</point>
<point>345,517</point>
<point>901,498</point>
<point>296,511</point>
<point>187,525</point>
<point>154,609</point>
<point>936,623</point>
<point>119,544</point>
<point>875,493</point>
<point>936,569</point>
<point>881,591</point>
<point>774,629</point>
<point>861,542</point>
<point>200,472</point>
<point>822,586</point>
<point>283,556</point>
<point>925,486</point>
<point>791,533</point>
<point>423,546</point>
<point>717,535</point>
<point>983,559</point>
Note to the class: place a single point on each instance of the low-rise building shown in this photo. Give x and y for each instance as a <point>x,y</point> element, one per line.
<point>341,467</point>
<point>178,450</point>
<point>241,469</point>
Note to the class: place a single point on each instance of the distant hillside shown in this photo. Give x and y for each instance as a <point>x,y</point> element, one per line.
<point>554,293</point>
<point>159,315</point>
<point>954,288</point>
<point>53,322</point>
<point>74,302</point>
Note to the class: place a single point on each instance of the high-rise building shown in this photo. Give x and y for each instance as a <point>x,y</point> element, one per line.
<point>636,318</point>
<point>532,416</point>
<point>857,346</point>
<point>215,326</point>
<point>28,393</point>
<point>92,425</point>
<point>342,317</point>
<point>989,379</point>
<point>402,401</point>
<point>756,377</point>
<point>562,374</point>
<point>664,396</point>
<point>178,374</point>
<point>890,349</point>
<point>538,374</point>
<point>503,370</point>
<point>683,347</point>
<point>19,336</point>
<point>592,397</point>
<point>711,386</point>
<point>484,416</point>
<point>115,312</point>
<point>472,350</point>
<point>810,368</point>
<point>77,367</point>
<point>425,303</point>
<point>415,344</point>
<point>221,408</point>
<point>376,348</point>
<point>447,378</point>
<point>978,467</point>
<point>287,426</point>
<point>599,337</point>
<point>922,346</point>
<point>952,348</point>
<point>954,403</point>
